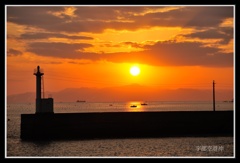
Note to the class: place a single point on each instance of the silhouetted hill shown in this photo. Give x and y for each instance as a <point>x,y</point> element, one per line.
<point>21,98</point>
<point>125,93</point>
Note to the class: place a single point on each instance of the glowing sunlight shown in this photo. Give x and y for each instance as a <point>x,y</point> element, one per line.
<point>134,70</point>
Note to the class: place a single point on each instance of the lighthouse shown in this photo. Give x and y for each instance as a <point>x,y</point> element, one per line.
<point>43,105</point>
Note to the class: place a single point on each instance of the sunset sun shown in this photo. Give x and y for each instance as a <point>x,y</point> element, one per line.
<point>134,70</point>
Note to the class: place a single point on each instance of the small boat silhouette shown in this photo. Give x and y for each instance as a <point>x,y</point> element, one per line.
<point>143,103</point>
<point>133,106</point>
<point>80,101</point>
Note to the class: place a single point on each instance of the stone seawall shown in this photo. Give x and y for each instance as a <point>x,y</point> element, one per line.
<point>126,125</point>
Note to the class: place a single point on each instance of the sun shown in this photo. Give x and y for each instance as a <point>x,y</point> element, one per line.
<point>134,70</point>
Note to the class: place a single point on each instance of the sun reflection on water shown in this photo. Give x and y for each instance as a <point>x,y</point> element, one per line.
<point>135,106</point>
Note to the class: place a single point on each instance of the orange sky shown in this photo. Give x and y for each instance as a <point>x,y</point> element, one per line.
<point>95,46</point>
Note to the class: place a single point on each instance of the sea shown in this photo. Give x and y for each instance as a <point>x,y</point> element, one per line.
<point>167,147</point>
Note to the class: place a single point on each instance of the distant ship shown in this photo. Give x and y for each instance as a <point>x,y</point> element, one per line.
<point>133,106</point>
<point>228,101</point>
<point>81,101</point>
<point>143,103</point>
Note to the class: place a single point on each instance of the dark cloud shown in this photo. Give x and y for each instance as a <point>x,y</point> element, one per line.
<point>79,63</point>
<point>29,36</point>
<point>194,16</point>
<point>35,16</point>
<point>161,54</point>
<point>189,54</point>
<point>113,13</point>
<point>122,44</point>
<point>133,44</point>
<point>57,49</point>
<point>210,16</point>
<point>96,19</point>
<point>223,33</point>
<point>13,52</point>
<point>177,54</point>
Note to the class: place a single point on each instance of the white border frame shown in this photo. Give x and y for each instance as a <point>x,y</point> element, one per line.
<point>234,93</point>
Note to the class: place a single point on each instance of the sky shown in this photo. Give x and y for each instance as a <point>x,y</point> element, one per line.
<point>174,47</point>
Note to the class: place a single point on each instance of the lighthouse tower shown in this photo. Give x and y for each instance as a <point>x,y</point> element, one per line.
<point>43,105</point>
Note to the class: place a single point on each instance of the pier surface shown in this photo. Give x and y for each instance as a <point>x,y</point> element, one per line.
<point>126,125</point>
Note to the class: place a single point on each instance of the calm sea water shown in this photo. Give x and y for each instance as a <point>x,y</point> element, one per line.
<point>147,147</point>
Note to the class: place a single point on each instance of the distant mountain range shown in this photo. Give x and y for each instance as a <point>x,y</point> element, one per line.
<point>132,92</point>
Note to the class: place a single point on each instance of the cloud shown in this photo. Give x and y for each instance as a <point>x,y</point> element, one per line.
<point>29,36</point>
<point>133,44</point>
<point>79,63</point>
<point>57,49</point>
<point>166,53</point>
<point>13,52</point>
<point>59,22</point>
<point>210,16</point>
<point>97,19</point>
<point>223,33</point>
<point>170,53</point>
<point>34,16</point>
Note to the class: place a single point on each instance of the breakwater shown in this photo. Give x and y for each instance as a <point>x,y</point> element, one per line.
<point>99,125</point>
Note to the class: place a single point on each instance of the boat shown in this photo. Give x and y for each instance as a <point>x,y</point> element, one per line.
<point>81,101</point>
<point>133,106</point>
<point>143,103</point>
<point>228,101</point>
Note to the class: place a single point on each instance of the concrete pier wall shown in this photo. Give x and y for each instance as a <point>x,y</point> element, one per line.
<point>126,125</point>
